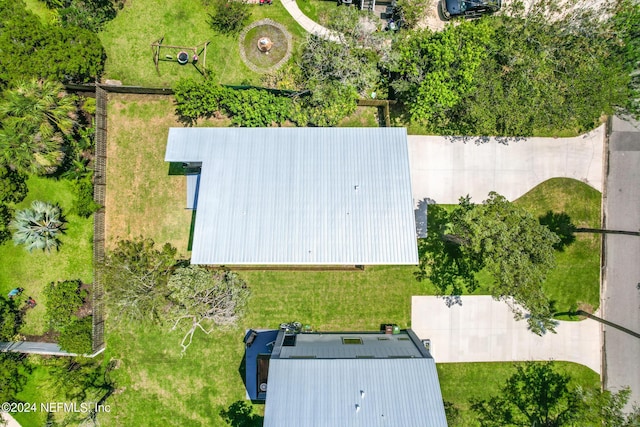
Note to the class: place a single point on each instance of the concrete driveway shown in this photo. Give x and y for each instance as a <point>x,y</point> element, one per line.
<point>445,168</point>
<point>480,329</point>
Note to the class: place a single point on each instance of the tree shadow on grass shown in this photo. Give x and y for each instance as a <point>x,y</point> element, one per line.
<point>560,224</point>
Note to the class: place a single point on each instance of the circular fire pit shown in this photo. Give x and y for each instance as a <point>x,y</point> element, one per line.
<point>183,58</point>
<point>265,44</point>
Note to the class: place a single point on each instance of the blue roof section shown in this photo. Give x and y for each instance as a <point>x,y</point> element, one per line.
<point>263,344</point>
<point>354,393</point>
<point>318,196</point>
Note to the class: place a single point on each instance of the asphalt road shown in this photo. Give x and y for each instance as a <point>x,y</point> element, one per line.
<point>621,281</point>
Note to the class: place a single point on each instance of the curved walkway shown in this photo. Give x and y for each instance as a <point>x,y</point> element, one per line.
<point>481,329</point>
<point>445,168</point>
<point>309,25</point>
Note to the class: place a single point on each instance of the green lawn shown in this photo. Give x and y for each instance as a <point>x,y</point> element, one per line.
<point>127,40</point>
<point>33,271</point>
<point>461,382</point>
<point>317,10</point>
<point>576,279</point>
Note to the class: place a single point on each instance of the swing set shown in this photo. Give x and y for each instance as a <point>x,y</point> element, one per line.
<point>195,55</point>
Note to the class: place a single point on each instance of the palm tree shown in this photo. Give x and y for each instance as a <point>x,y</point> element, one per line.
<point>36,116</point>
<point>38,227</point>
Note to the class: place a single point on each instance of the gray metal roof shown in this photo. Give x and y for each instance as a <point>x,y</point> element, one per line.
<point>300,195</point>
<point>325,392</point>
<point>331,346</point>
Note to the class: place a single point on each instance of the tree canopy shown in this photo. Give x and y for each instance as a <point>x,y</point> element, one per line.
<point>522,72</point>
<point>537,394</point>
<point>32,49</point>
<point>500,238</point>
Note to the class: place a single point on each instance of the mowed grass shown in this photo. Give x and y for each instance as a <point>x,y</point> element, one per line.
<point>34,270</point>
<point>462,382</point>
<point>127,40</point>
<point>575,282</point>
<point>317,10</point>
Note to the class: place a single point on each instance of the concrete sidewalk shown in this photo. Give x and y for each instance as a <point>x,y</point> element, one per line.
<point>309,25</point>
<point>9,420</point>
<point>445,168</point>
<point>484,330</point>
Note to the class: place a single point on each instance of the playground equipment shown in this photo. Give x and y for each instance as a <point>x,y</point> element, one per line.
<point>183,55</point>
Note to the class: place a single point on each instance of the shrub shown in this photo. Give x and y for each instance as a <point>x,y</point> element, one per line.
<point>229,16</point>
<point>84,205</point>
<point>9,319</point>
<point>76,337</point>
<point>63,301</point>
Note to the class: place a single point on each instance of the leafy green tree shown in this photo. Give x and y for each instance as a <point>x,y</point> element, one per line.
<point>9,319</point>
<point>205,299</point>
<point>36,117</point>
<point>135,278</point>
<point>31,49</point>
<point>38,227</point>
<point>14,372</point>
<point>535,395</point>
<point>63,301</point>
<point>538,395</point>
<point>436,70</point>
<point>76,336</point>
<point>504,240</point>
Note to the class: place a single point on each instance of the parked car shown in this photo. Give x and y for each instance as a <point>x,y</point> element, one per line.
<point>468,8</point>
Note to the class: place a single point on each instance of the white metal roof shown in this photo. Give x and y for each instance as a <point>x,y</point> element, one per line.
<point>354,393</point>
<point>337,196</point>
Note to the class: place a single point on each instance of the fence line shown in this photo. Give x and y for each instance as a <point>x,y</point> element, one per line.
<point>99,196</point>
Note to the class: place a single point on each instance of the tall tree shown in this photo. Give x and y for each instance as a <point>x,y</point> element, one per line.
<point>36,117</point>
<point>504,240</point>
<point>535,395</point>
<point>205,299</point>
<point>31,49</point>
<point>38,227</point>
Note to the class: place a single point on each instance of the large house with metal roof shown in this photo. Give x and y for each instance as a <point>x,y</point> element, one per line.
<point>298,196</point>
<point>348,379</point>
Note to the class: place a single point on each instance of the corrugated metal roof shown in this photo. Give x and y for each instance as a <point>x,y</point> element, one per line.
<point>325,392</point>
<point>300,195</point>
<point>331,346</point>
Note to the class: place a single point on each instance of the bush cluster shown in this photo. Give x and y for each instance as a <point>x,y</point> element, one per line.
<point>64,299</point>
<point>259,107</point>
<point>229,16</point>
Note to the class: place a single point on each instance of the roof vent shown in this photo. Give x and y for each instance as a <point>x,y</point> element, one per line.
<point>356,187</point>
<point>362,394</point>
<point>357,408</point>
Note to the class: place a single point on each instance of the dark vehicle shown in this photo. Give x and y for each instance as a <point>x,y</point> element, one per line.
<point>468,8</point>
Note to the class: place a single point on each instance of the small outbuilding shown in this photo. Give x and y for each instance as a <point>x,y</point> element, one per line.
<point>298,196</point>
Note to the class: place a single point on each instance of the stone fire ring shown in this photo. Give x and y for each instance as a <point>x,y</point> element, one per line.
<point>277,65</point>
